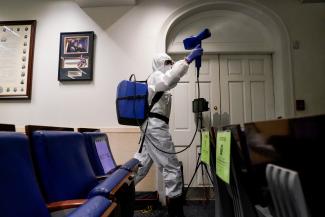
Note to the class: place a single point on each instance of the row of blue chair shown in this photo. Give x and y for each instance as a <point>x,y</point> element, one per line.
<point>65,171</point>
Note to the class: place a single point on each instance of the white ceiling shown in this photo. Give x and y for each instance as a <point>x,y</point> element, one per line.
<point>104,3</point>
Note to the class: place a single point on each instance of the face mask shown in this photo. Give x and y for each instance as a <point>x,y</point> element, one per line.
<point>166,68</point>
<point>168,64</point>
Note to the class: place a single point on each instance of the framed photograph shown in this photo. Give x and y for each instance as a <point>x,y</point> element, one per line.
<point>76,56</point>
<point>16,58</point>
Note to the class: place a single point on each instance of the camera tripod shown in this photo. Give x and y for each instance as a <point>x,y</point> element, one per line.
<point>199,105</point>
<point>199,163</point>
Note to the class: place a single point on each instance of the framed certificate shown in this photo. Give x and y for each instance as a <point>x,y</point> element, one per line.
<point>16,58</point>
<point>76,56</point>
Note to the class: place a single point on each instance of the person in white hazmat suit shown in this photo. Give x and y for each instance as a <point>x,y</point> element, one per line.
<point>164,77</point>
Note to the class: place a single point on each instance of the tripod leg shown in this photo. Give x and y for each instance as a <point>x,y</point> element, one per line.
<point>196,168</point>
<point>206,169</point>
<point>206,193</point>
<point>202,172</point>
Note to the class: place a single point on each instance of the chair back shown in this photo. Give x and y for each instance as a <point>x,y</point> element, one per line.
<point>29,129</point>
<point>8,127</point>
<point>82,130</point>
<point>20,192</point>
<point>62,165</point>
<point>286,191</point>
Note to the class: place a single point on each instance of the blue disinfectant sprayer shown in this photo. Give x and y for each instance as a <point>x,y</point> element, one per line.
<point>192,41</point>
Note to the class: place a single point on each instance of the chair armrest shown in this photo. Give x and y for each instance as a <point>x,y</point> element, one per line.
<point>113,170</point>
<point>101,178</point>
<point>131,165</point>
<point>126,180</point>
<point>65,204</point>
<point>95,207</point>
<point>110,209</point>
<point>111,184</point>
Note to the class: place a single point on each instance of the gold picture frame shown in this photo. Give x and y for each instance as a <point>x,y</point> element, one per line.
<point>17,40</point>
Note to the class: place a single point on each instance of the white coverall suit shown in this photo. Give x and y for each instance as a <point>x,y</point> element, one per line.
<point>163,78</point>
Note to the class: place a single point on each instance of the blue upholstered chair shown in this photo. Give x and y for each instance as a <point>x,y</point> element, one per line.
<point>20,192</point>
<point>101,157</point>
<point>103,163</point>
<point>64,170</point>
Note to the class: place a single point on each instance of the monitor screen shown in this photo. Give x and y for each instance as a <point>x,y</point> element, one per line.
<point>104,154</point>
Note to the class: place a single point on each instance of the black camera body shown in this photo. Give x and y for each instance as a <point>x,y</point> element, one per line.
<point>200,105</point>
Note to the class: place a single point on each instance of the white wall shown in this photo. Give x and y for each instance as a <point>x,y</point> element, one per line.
<point>54,103</point>
<point>306,24</point>
<point>127,38</point>
<point>121,48</point>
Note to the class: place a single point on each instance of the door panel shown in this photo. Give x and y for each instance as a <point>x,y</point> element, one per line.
<point>258,100</point>
<point>246,88</point>
<point>236,101</point>
<point>182,119</point>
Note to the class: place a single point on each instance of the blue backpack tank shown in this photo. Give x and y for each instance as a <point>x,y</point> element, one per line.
<point>132,106</point>
<point>132,102</point>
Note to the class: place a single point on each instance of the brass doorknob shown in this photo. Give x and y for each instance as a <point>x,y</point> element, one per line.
<point>215,108</point>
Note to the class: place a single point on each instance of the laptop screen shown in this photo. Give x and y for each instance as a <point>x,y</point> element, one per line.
<point>104,154</point>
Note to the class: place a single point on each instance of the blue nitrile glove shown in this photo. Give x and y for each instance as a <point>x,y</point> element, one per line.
<point>196,52</point>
